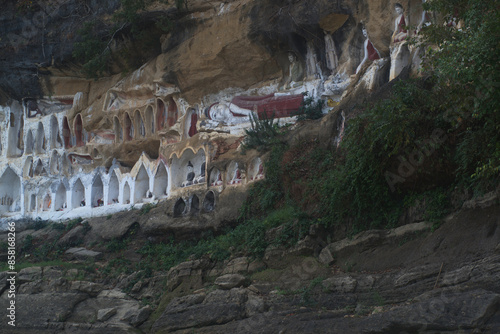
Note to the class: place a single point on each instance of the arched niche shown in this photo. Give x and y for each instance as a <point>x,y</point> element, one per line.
<point>139,124</point>
<point>128,128</point>
<point>234,175</point>
<point>20,135</point>
<point>39,169</point>
<point>15,138</point>
<point>54,166</point>
<point>40,143</point>
<point>186,169</point>
<point>190,128</point>
<point>209,202</point>
<point>65,164</point>
<point>66,132</point>
<point>55,139</point>
<point>77,194</point>
<point>97,192</point>
<point>28,168</point>
<point>46,202</point>
<point>78,129</point>
<point>179,207</point>
<point>215,177</point>
<point>160,181</point>
<point>60,198</point>
<point>29,143</point>
<point>113,188</point>
<point>256,170</point>
<point>126,193</point>
<point>117,128</point>
<point>96,154</point>
<point>172,112</point>
<point>150,120</point>
<point>161,114</point>
<point>10,191</point>
<point>194,205</point>
<point>200,178</point>
<point>141,185</point>
<point>32,205</point>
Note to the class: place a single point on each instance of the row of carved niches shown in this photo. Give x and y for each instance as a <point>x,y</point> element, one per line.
<point>235,175</point>
<point>41,135</point>
<point>143,122</point>
<point>192,206</point>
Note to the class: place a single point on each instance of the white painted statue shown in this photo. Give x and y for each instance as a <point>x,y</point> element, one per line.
<point>425,21</point>
<point>228,113</point>
<point>400,32</point>
<point>370,52</point>
<point>236,175</point>
<point>332,60</point>
<point>189,176</point>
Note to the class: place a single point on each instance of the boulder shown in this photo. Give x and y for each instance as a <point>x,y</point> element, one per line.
<point>218,307</point>
<point>81,253</point>
<point>39,310</point>
<point>91,288</point>
<point>105,314</point>
<point>136,317</point>
<point>29,274</point>
<point>230,281</point>
<point>73,237</point>
<point>342,284</point>
<point>237,265</point>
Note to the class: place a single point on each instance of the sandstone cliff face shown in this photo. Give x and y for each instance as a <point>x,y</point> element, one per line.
<point>173,127</point>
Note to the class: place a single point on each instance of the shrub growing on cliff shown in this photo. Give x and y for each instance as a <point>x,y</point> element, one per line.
<point>467,69</point>
<point>310,108</point>
<point>262,135</point>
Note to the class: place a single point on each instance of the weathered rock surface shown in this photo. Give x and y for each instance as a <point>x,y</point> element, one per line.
<point>82,253</point>
<point>106,313</point>
<point>230,281</point>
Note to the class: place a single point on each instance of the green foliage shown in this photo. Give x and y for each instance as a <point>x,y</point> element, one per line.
<point>116,245</point>
<point>58,226</point>
<point>146,208</point>
<point>355,188</point>
<point>467,70</point>
<point>310,109</point>
<point>4,246</point>
<point>437,204</point>
<point>27,243</point>
<point>92,50</point>
<point>246,238</point>
<point>72,223</point>
<point>266,194</point>
<point>262,135</point>
<point>38,224</point>
<point>306,298</point>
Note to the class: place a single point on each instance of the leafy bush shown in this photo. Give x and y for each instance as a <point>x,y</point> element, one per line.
<point>38,224</point>
<point>146,208</point>
<point>467,71</point>
<point>310,109</point>
<point>72,223</point>
<point>262,135</point>
<point>92,49</point>
<point>27,243</point>
<point>116,245</point>
<point>267,194</point>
